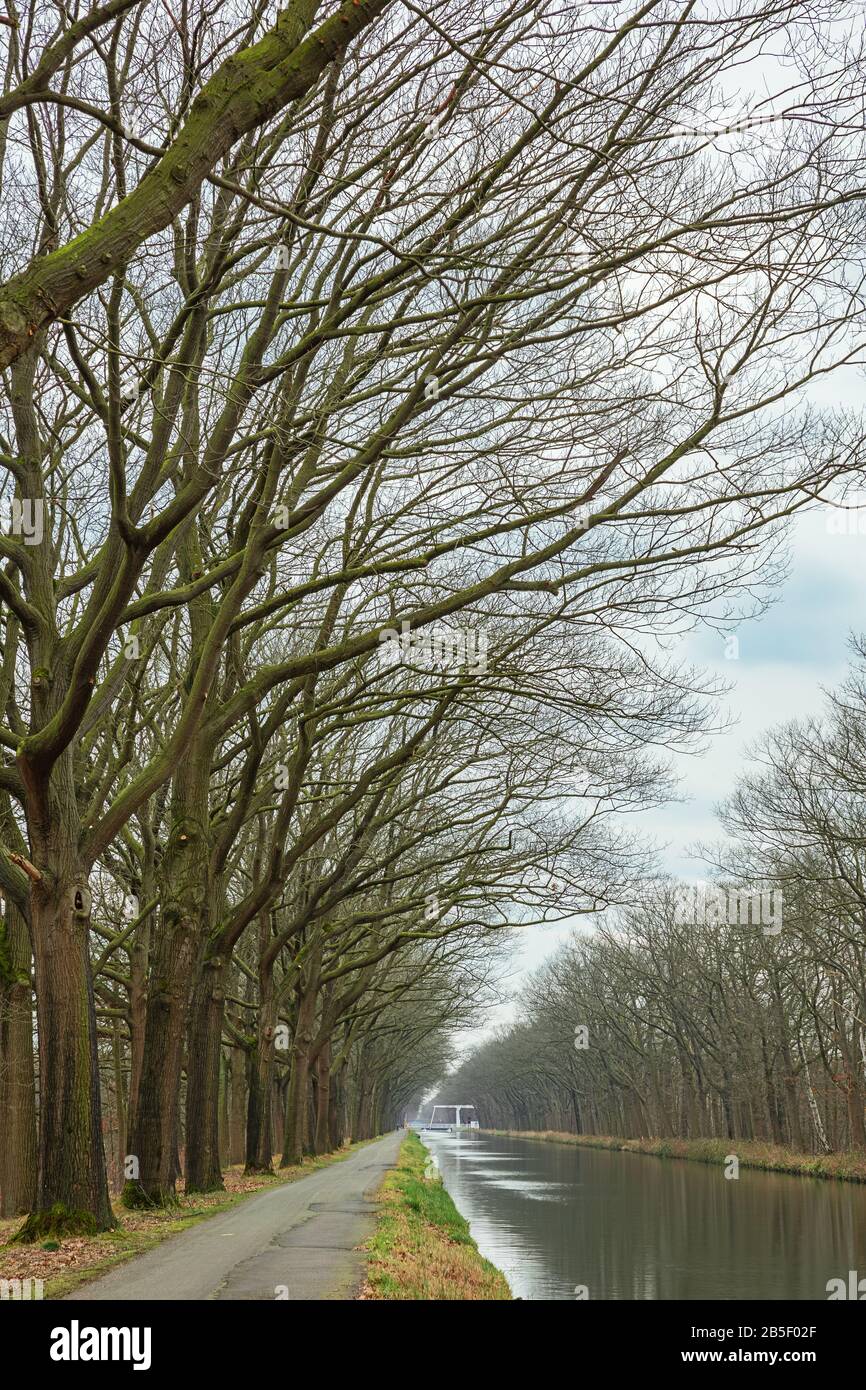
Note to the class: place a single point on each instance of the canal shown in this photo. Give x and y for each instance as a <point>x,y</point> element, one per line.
<point>557,1219</point>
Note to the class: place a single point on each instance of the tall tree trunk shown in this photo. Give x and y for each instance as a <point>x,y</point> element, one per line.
<point>17,1087</point>
<point>322,1142</point>
<point>851,1063</point>
<point>773,1106</point>
<point>72,1185</point>
<point>225,1120</point>
<point>298,1099</point>
<point>255,1102</point>
<point>72,1191</point>
<point>297,1107</point>
<point>153,1142</point>
<point>337,1122</point>
<point>119,1106</point>
<point>260,1146</point>
<point>792,1100</point>
<point>203,1171</point>
<point>139,957</point>
<point>365,1115</point>
<point>182,931</point>
<point>278,1112</point>
<point>728,1108</point>
<point>237,1103</point>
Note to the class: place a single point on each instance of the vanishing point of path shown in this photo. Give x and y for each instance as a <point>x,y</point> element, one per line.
<point>301,1238</point>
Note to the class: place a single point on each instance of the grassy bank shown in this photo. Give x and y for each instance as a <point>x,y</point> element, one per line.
<point>772,1158</point>
<point>422,1248</point>
<point>75,1261</point>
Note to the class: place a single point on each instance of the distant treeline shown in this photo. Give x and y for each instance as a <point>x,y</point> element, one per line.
<point>720,1026</point>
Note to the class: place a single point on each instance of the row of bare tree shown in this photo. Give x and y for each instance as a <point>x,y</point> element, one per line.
<point>662,1024</point>
<point>324,328</point>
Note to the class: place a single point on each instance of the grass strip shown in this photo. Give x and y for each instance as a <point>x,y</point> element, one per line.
<point>422,1248</point>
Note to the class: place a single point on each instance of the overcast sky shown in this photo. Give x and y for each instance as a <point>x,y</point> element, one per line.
<point>785,658</point>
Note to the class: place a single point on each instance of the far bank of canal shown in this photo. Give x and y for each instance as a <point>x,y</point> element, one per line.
<point>557,1219</point>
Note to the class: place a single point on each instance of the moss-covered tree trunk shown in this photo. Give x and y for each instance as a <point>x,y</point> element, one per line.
<point>297,1106</point>
<point>120,1110</point>
<point>17,1088</point>
<point>182,928</point>
<point>259,1157</point>
<point>338,1119</point>
<point>365,1115</point>
<point>322,1142</point>
<point>255,1102</point>
<point>207,1006</point>
<point>225,1119</point>
<point>278,1110</point>
<point>153,1141</point>
<point>296,1142</point>
<point>139,957</point>
<point>237,1104</point>
<point>72,1193</point>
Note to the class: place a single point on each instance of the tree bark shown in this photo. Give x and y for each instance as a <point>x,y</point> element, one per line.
<point>298,1098</point>
<point>203,1170</point>
<point>72,1195</point>
<point>225,1118</point>
<point>182,930</point>
<point>238,1104</point>
<point>322,1142</point>
<point>139,957</point>
<point>17,1087</point>
<point>259,1128</point>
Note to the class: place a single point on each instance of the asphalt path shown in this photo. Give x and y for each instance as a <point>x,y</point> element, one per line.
<point>293,1242</point>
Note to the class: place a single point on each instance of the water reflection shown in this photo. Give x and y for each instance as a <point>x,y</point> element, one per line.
<point>629,1226</point>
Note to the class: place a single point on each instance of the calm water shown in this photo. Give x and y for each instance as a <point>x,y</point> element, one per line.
<point>625,1225</point>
